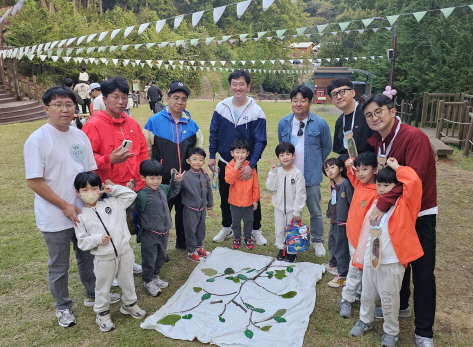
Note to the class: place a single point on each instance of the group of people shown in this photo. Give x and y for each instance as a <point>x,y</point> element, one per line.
<point>374,215</point>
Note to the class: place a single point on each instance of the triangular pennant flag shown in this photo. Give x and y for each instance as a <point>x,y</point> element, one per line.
<point>104,61</point>
<point>243,40</point>
<point>196,16</point>
<point>214,68</point>
<point>243,62</point>
<point>243,36</point>
<point>76,60</point>
<point>46,46</point>
<point>149,45</point>
<point>347,31</point>
<point>253,62</point>
<point>334,33</point>
<point>102,35</point>
<point>280,33</point>
<point>159,62</point>
<point>346,59</point>
<point>344,25</point>
<point>364,57</point>
<point>150,63</point>
<point>115,61</point>
<point>355,58</point>
<point>133,64</point>
<point>42,57</point>
<point>113,34</point>
<point>69,51</point>
<point>388,28</point>
<point>328,59</point>
<point>321,34</point>
<point>54,57</point>
<point>142,64</point>
<point>225,38</point>
<point>232,62</point>
<point>142,28</point>
<point>375,29</point>
<point>177,21</point>
<point>212,62</point>
<point>128,31</point>
<point>261,34</point>
<point>231,41</point>
<point>180,67</point>
<point>282,37</point>
<point>221,69</point>
<point>446,11</point>
<point>272,61</point>
<point>295,36</point>
<point>208,68</point>
<point>112,48</point>
<point>62,43</point>
<point>179,43</point>
<point>86,60</point>
<point>59,52</point>
<point>218,11</point>
<point>187,67</point>
<point>91,37</point>
<point>321,28</point>
<point>241,7</point>
<point>392,19</point>
<point>307,35</point>
<point>266,4</point>
<point>192,62</point>
<point>194,68</point>
<point>40,48</point>
<point>263,61</point>
<point>372,57</point>
<point>125,62</point>
<point>91,60</point>
<point>419,15</point>
<point>70,41</point>
<point>125,47</point>
<point>164,44</point>
<point>202,62</point>
<point>471,6</point>
<point>31,56</point>
<point>361,31</point>
<point>222,62</point>
<point>137,61</point>
<point>194,42</point>
<point>90,49</point>
<point>208,40</point>
<point>80,59</point>
<point>50,53</point>
<point>338,59</point>
<point>282,61</point>
<point>160,25</point>
<point>170,62</point>
<point>367,22</point>
<point>54,44</point>
<point>101,49</point>
<point>181,62</point>
<point>255,38</point>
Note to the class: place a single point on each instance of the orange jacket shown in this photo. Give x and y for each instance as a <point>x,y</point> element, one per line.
<point>402,223</point>
<point>361,202</point>
<point>241,193</point>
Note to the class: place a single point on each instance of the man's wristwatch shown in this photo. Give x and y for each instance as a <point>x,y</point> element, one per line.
<point>252,166</point>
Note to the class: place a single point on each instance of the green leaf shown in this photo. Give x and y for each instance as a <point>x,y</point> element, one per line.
<point>229,278</point>
<point>269,272</point>
<point>250,271</point>
<point>242,277</point>
<point>210,279</point>
<point>289,295</point>
<point>236,279</point>
<point>279,319</point>
<point>169,319</point>
<point>206,296</point>
<point>266,328</point>
<point>270,275</point>
<point>187,316</point>
<point>291,266</point>
<point>249,333</point>
<point>229,271</point>
<point>197,289</point>
<point>248,305</point>
<point>280,274</point>
<point>289,269</point>
<point>221,319</point>
<point>246,268</point>
<point>279,313</point>
<point>260,310</point>
<point>209,272</point>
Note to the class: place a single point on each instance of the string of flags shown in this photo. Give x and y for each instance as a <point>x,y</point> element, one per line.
<point>12,10</point>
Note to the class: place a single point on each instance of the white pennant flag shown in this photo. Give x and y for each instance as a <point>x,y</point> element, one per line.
<point>91,60</point>
<point>160,25</point>
<point>159,62</point>
<point>102,35</point>
<point>253,62</point>
<point>42,57</point>
<point>91,37</point>
<point>142,64</point>
<point>54,44</point>
<point>233,62</point>
<point>243,62</point>
<point>212,62</point>
<point>128,31</point>
<point>266,4</point>
<point>177,21</point>
<point>31,56</point>
<point>192,62</point>
<point>115,61</point>
<point>149,62</point>
<point>137,61</point>
<point>196,16</point>
<point>114,33</point>
<point>170,62</point>
<point>241,7</point>
<point>75,60</point>
<point>62,43</point>
<point>272,61</point>
<point>142,28</point>
<point>218,11</point>
<point>104,61</point>
<point>54,57</point>
<point>181,62</point>
<point>80,59</point>
<point>70,41</point>
<point>125,62</point>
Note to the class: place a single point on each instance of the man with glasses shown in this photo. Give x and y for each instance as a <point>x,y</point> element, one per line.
<point>310,135</point>
<point>169,134</point>
<point>351,130</point>
<point>54,154</point>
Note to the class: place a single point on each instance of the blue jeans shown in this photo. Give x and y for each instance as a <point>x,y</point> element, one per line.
<point>316,221</point>
<point>59,245</point>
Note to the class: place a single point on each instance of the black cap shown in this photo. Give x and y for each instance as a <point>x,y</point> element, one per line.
<point>178,86</point>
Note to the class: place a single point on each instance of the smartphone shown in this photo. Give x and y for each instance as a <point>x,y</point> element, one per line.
<point>126,145</point>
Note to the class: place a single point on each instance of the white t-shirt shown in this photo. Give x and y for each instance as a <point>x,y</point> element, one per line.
<point>238,110</point>
<point>298,142</point>
<point>57,157</point>
<point>388,254</point>
<point>98,103</point>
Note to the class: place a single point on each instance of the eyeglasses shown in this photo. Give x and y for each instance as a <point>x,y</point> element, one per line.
<point>341,92</point>
<point>61,106</point>
<point>177,99</point>
<point>378,112</point>
<point>117,97</point>
<point>301,126</point>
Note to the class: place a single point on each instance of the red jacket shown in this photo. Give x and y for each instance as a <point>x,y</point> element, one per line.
<point>411,148</point>
<point>107,133</point>
<point>241,193</point>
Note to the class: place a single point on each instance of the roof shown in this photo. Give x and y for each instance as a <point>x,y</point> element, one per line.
<point>302,45</point>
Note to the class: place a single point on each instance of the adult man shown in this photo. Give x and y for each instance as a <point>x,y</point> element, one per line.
<point>310,135</point>
<point>411,147</point>
<point>154,95</point>
<point>237,117</point>
<point>107,129</point>
<point>169,134</point>
<point>82,88</point>
<point>351,125</point>
<point>54,154</point>
<point>97,103</point>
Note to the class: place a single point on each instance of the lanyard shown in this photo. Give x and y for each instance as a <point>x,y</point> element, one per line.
<point>352,121</point>
<point>95,210</point>
<point>387,150</point>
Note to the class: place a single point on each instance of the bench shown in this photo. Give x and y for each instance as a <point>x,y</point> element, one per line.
<point>440,149</point>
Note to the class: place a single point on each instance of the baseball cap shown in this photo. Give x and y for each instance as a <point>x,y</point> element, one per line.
<point>93,86</point>
<point>178,86</point>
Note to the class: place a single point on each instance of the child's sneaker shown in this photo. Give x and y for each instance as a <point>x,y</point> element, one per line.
<point>152,288</point>
<point>137,269</point>
<point>159,282</point>
<point>194,257</point>
<point>345,308</point>
<point>331,269</point>
<point>133,310</point>
<point>281,256</point>
<point>389,340</point>
<point>337,282</point>
<point>291,258</point>
<point>202,252</point>
<point>359,328</point>
<point>236,242</point>
<point>104,321</point>
<point>65,318</point>
<point>114,298</point>
<point>249,244</point>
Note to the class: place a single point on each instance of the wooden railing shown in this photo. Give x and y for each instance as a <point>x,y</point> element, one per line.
<point>24,86</point>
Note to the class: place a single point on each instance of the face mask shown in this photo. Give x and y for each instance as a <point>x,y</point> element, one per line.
<point>89,197</point>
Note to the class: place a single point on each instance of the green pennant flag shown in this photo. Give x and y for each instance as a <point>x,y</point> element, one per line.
<point>367,22</point>
<point>142,64</point>
<point>280,33</point>
<point>225,38</point>
<point>125,47</point>
<point>300,31</point>
<point>79,50</point>
<point>179,42</point>
<point>447,11</point>
<point>75,60</point>
<point>112,48</point>
<point>321,28</point>
<point>243,36</point>
<point>149,45</point>
<point>90,49</point>
<point>101,49</point>
<point>261,34</point>
<point>133,64</point>
<point>50,53</point>
<point>194,42</point>
<point>69,51</point>
<point>344,25</point>
<point>138,46</point>
<point>471,6</point>
<point>59,52</point>
<point>419,15</point>
<point>164,44</point>
<point>392,19</point>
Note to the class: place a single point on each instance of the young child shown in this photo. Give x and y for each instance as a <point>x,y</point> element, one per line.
<point>338,206</point>
<point>362,173</point>
<point>289,198</point>
<point>243,196</point>
<point>385,250</point>
<point>103,230</point>
<point>155,222</point>
<point>197,199</point>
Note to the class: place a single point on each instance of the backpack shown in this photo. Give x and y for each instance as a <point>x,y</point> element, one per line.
<point>297,237</point>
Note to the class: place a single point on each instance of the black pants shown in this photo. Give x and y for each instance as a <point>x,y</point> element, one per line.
<point>85,106</point>
<point>152,105</point>
<point>178,220</point>
<point>423,278</point>
<point>223,188</point>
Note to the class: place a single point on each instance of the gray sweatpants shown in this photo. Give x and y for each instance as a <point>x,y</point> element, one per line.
<point>121,268</point>
<point>194,228</point>
<point>338,247</point>
<point>153,253</point>
<point>239,213</point>
<point>353,283</point>
<point>59,247</point>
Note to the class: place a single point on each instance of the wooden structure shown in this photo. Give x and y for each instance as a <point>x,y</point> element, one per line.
<point>469,136</point>
<point>302,49</point>
<point>430,106</point>
<point>453,121</point>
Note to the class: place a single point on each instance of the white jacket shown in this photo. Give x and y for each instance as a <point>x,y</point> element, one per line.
<point>290,190</point>
<point>112,211</point>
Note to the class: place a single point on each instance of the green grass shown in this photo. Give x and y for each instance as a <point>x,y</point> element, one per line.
<point>26,306</point>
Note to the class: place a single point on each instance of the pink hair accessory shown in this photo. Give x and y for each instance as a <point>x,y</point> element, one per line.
<point>389,92</point>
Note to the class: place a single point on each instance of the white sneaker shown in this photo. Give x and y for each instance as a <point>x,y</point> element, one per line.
<point>134,310</point>
<point>152,288</point>
<point>137,269</point>
<point>114,298</point>
<point>258,237</point>
<point>223,234</point>
<point>319,249</point>
<point>65,318</point>
<point>115,283</point>
<point>159,282</point>
<point>104,321</point>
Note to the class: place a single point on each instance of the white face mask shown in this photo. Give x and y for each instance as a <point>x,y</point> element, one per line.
<point>89,197</point>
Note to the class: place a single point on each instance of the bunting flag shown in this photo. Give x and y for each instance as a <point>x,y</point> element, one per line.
<point>142,28</point>
<point>261,34</point>
<point>102,35</point>
<point>113,34</point>
<point>218,11</point>
<point>367,22</point>
<point>321,28</point>
<point>280,33</point>
<point>300,31</point>
<point>196,17</point>
<point>177,21</point>
<point>70,41</point>
<point>447,11</point>
<point>266,4</point>
<point>392,19</point>
<point>160,25</point>
<point>419,15</point>
<point>128,30</point>
<point>241,7</point>
<point>90,38</point>
<point>344,25</point>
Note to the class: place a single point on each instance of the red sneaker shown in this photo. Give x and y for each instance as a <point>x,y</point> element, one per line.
<point>202,252</point>
<point>249,243</point>
<point>236,242</point>
<point>194,257</point>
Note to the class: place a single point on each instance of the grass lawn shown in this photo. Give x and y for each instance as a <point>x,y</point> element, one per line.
<point>26,306</point>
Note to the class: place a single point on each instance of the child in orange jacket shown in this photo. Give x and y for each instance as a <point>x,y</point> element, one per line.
<point>243,195</point>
